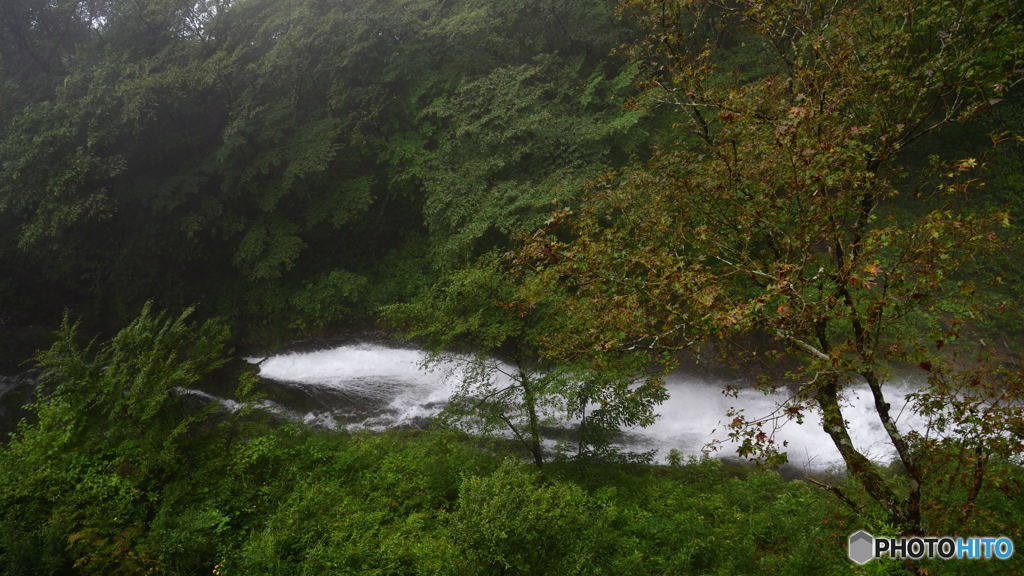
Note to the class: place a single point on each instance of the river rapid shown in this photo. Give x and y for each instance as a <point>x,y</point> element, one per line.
<point>375,386</point>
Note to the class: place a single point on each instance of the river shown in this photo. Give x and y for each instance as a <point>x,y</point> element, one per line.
<point>376,386</point>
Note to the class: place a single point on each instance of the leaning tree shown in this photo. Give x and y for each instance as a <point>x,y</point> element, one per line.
<point>792,203</point>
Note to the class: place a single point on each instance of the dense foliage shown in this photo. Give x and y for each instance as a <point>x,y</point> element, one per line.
<point>787,212</point>
<point>119,474</point>
<point>289,164</point>
<point>561,194</point>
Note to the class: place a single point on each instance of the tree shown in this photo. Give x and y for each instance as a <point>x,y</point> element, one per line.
<point>503,381</point>
<point>783,210</point>
<point>491,156</point>
<point>499,150</point>
<point>110,430</point>
<point>262,156</point>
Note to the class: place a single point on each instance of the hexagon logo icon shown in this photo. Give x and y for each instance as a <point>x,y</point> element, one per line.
<point>860,548</point>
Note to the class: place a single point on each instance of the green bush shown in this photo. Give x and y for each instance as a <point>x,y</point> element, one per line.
<point>513,523</point>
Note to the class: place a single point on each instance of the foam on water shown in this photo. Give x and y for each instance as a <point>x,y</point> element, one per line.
<point>393,379</point>
<point>695,415</point>
<point>401,391</point>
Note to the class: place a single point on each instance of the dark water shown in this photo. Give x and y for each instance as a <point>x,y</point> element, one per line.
<point>15,392</point>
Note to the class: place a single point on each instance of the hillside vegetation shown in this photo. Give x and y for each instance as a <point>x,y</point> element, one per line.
<point>589,190</point>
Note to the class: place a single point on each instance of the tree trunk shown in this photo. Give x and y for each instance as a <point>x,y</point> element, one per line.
<point>530,403</point>
<point>913,500</point>
<point>858,466</point>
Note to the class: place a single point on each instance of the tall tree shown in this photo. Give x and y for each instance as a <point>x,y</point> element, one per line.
<point>783,210</point>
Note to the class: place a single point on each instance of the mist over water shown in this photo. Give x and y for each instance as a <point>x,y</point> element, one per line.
<point>373,386</point>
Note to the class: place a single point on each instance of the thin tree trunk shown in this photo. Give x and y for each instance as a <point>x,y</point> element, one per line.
<point>913,500</point>
<point>530,401</point>
<point>862,469</point>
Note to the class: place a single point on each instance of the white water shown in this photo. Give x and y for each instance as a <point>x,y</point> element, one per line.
<point>695,414</point>
<point>391,380</point>
<point>393,389</point>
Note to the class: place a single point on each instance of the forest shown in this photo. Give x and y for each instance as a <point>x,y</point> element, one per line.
<point>573,199</point>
